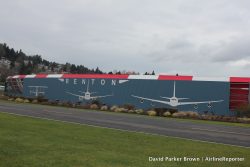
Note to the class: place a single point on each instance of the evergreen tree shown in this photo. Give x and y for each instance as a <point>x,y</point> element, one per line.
<point>22,69</point>
<point>37,59</point>
<point>29,68</point>
<point>73,69</point>
<point>2,51</point>
<point>12,64</point>
<point>98,71</point>
<point>36,64</point>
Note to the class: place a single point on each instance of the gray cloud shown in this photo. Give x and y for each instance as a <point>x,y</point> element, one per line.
<point>237,49</point>
<point>190,37</point>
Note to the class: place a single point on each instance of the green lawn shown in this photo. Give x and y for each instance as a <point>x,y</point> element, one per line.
<point>35,142</point>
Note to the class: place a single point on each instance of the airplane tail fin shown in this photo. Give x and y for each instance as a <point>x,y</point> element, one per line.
<point>174,90</point>
<point>87,86</point>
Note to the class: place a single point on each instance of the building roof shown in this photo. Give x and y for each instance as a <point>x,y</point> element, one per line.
<point>143,77</point>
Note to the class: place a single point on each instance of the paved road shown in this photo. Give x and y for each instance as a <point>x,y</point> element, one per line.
<point>233,135</point>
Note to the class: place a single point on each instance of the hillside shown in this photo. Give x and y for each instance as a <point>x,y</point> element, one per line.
<point>13,62</point>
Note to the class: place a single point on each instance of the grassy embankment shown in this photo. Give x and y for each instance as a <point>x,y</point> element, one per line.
<point>34,142</point>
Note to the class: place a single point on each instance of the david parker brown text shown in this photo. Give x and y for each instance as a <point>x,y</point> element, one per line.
<point>195,159</point>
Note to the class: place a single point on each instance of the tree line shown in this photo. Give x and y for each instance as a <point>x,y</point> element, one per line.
<point>15,62</point>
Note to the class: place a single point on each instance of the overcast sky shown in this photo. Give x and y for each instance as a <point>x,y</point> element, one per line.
<point>191,37</point>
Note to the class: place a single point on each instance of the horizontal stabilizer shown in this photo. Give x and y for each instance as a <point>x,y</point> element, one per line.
<point>38,86</point>
<point>165,97</point>
<point>183,98</point>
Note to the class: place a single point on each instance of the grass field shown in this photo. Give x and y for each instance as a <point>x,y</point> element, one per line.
<point>34,142</point>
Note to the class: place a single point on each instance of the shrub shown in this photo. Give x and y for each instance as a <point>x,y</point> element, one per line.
<point>192,114</point>
<point>203,116</point>
<point>4,97</point>
<point>151,113</point>
<point>67,104</point>
<point>113,108</point>
<point>45,103</point>
<point>210,117</point>
<point>34,101</point>
<point>118,109</point>
<point>104,108</point>
<point>124,110</point>
<point>229,119</point>
<point>139,111</point>
<point>94,106</point>
<point>61,104</point>
<point>167,114</point>
<point>183,114</point>
<point>19,100</point>
<point>214,117</point>
<point>244,120</point>
<point>26,101</point>
<point>85,106</point>
<point>243,110</point>
<point>226,119</point>
<point>42,99</point>
<point>219,117</point>
<point>234,119</point>
<point>96,101</point>
<point>131,111</point>
<point>175,115</point>
<point>179,114</point>
<point>53,102</point>
<point>129,106</point>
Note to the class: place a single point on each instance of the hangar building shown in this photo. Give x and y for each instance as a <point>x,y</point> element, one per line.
<point>221,96</point>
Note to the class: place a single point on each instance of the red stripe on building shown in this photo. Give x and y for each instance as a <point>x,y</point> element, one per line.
<point>41,76</point>
<point>239,79</point>
<point>21,76</point>
<point>97,76</point>
<point>174,77</point>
